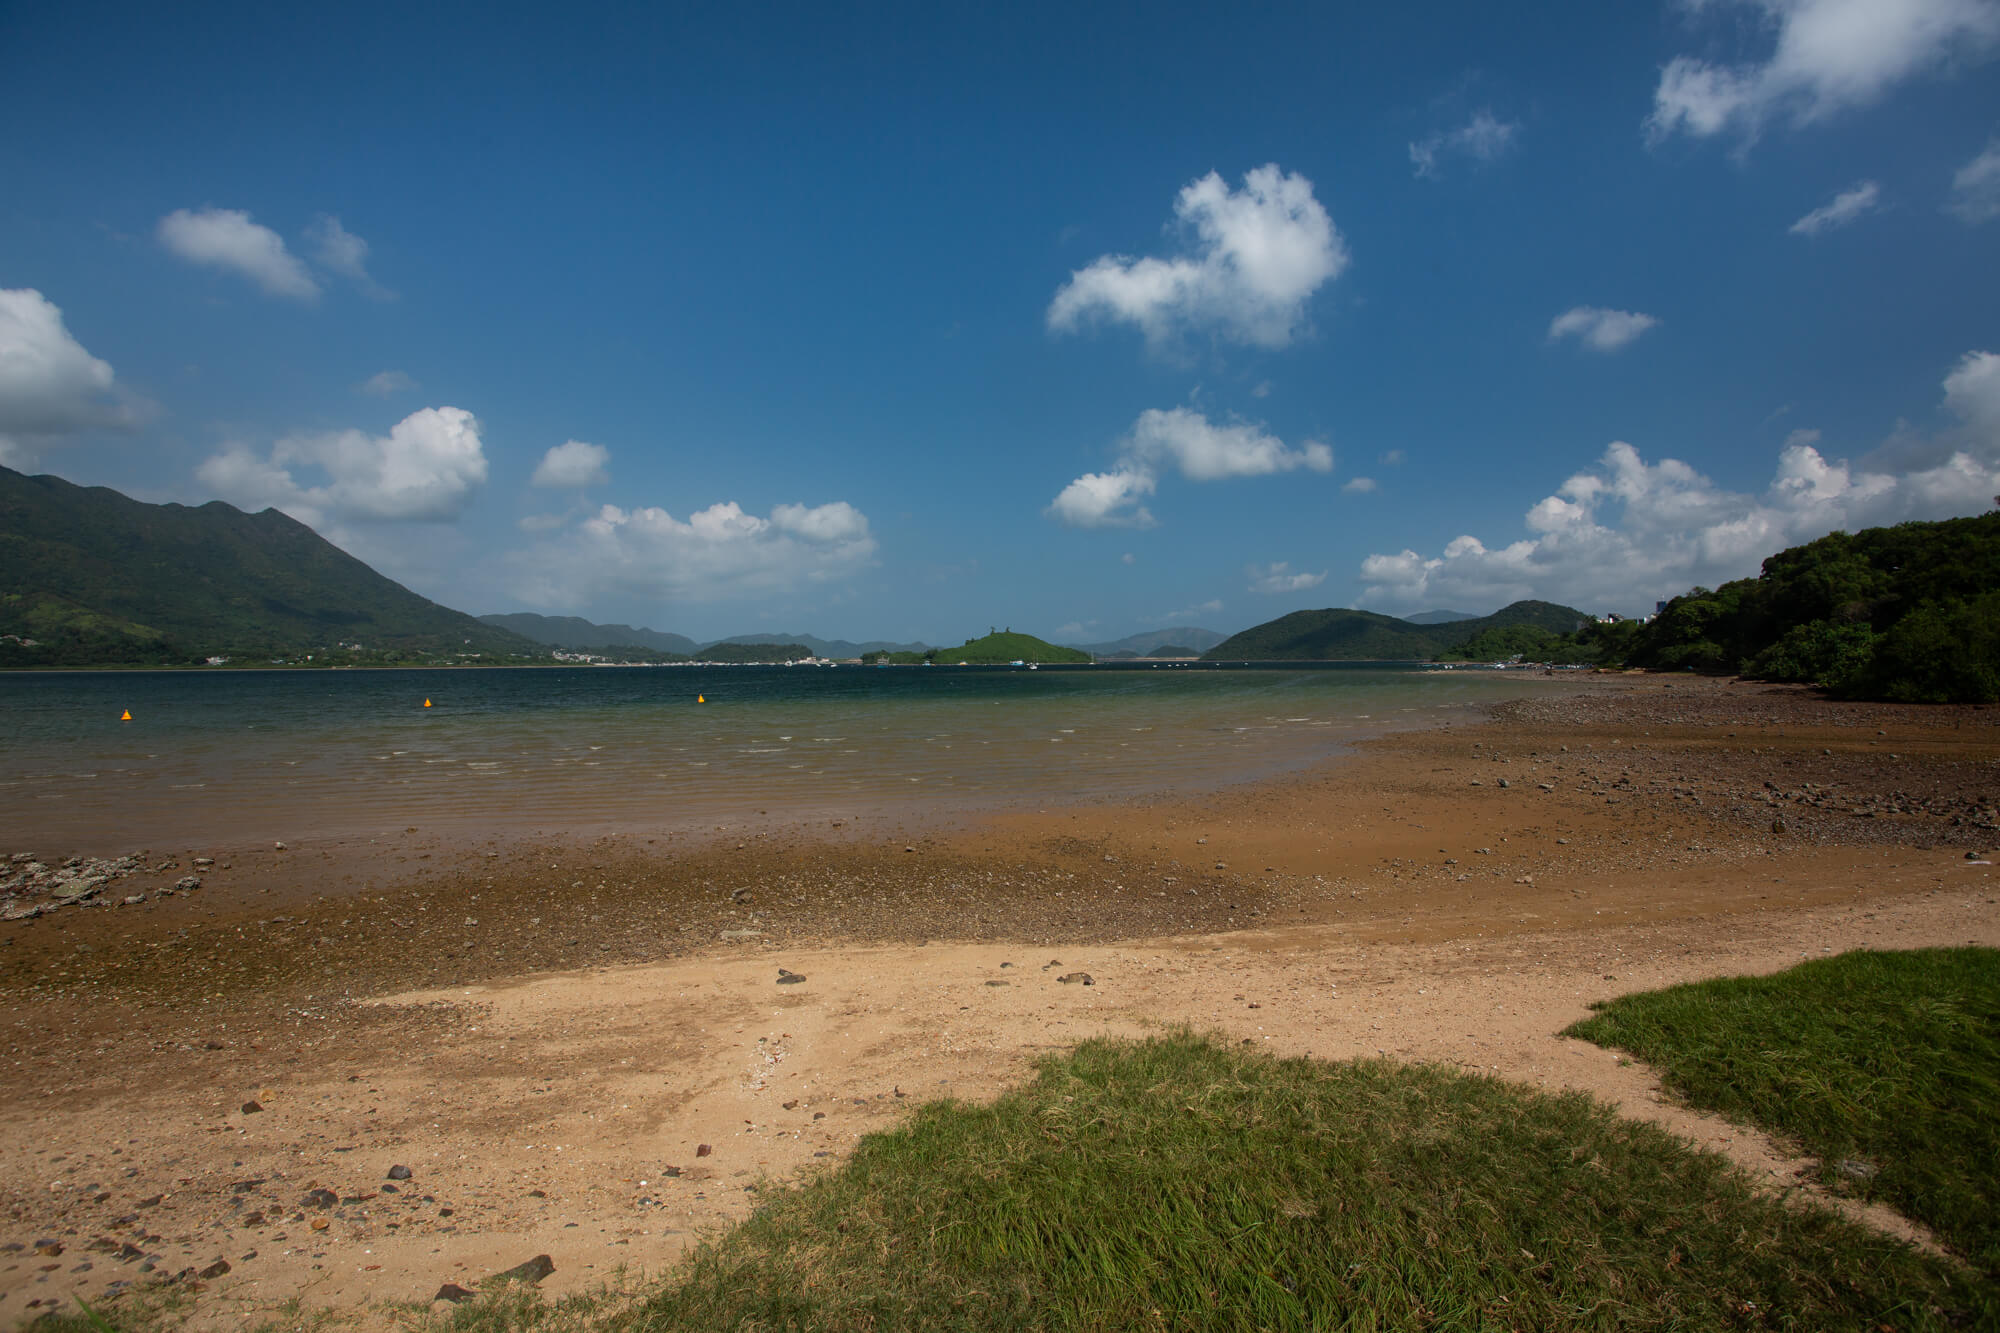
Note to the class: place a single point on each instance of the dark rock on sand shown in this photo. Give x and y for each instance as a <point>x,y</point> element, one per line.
<point>531,1272</point>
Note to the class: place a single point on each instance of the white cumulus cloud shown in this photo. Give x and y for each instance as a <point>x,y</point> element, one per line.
<point>1483,138</point>
<point>720,553</point>
<point>1256,257</point>
<point>1183,440</point>
<point>339,250</point>
<point>226,238</point>
<point>1279,577</point>
<point>51,388</point>
<point>572,465</point>
<point>1359,486</point>
<point>426,467</point>
<point>1975,187</point>
<point>1844,207</point>
<point>1827,56</point>
<point>1600,329</point>
<point>1105,500</point>
<point>1625,533</point>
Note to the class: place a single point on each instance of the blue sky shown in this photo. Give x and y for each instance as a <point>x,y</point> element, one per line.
<point>1081,319</point>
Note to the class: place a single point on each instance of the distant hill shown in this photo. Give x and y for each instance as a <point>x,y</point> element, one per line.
<point>1339,634</point>
<point>94,576</point>
<point>1006,646</point>
<point>1146,644</point>
<point>576,632</point>
<point>834,648</point>
<point>1439,617</point>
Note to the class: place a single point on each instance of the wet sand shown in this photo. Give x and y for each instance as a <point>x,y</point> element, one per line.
<point>546,1032</point>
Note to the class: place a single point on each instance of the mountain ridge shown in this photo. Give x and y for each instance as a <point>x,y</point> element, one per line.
<point>1343,634</point>
<point>93,576</point>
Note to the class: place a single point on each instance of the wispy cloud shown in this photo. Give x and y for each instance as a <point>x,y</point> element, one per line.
<point>1483,139</point>
<point>1279,577</point>
<point>1844,208</point>
<point>1975,188</point>
<point>1600,329</point>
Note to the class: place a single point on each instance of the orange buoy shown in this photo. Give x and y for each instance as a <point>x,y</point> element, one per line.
<point>127,717</point>
<point>427,703</point>
<point>701,699</point>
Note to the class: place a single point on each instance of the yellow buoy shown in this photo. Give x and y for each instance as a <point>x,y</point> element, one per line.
<point>427,703</point>
<point>127,717</point>
<point>700,699</point>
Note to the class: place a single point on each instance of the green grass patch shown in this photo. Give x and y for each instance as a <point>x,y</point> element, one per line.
<point>1888,1062</point>
<point>1181,1183</point>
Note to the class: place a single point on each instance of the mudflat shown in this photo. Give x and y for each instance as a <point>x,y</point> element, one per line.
<point>600,1050</point>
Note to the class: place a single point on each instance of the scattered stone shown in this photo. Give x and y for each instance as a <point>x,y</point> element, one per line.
<point>319,1224</point>
<point>789,978</point>
<point>399,1173</point>
<point>531,1272</point>
<point>454,1293</point>
<point>48,1249</point>
<point>702,1150</point>
<point>214,1270</point>
<point>321,1198</point>
<point>252,1107</point>
<point>278,846</point>
<point>188,883</point>
<point>997,982</point>
<point>1854,1168</point>
<point>1076,978</point>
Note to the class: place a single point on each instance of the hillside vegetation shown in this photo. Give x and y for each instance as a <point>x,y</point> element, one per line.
<point>996,649</point>
<point>1909,613</point>
<point>94,576</point>
<point>1339,634</point>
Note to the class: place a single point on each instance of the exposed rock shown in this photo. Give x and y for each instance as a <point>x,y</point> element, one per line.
<point>531,1272</point>
<point>399,1172</point>
<point>1076,979</point>
<point>214,1270</point>
<point>454,1293</point>
<point>789,978</point>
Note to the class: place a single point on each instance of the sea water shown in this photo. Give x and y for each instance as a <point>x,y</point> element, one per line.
<point>221,755</point>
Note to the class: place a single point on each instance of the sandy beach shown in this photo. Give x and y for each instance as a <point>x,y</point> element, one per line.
<point>355,1071</point>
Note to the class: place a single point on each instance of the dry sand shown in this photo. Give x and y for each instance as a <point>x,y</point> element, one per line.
<point>546,1036</point>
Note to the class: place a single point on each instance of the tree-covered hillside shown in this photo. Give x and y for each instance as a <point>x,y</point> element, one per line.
<point>1910,612</point>
<point>93,576</point>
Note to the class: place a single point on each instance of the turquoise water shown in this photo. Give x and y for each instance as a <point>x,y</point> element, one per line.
<point>222,755</point>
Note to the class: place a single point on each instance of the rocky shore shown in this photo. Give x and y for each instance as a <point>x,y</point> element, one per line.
<point>220,1056</point>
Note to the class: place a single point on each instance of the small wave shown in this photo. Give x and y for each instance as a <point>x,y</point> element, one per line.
<point>186,786</point>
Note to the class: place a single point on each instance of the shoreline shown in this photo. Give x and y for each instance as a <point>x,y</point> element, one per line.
<point>1456,893</point>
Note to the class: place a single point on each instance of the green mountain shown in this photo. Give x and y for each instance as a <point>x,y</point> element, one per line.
<point>1148,644</point>
<point>1005,646</point>
<point>1342,635</point>
<point>93,576</point>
